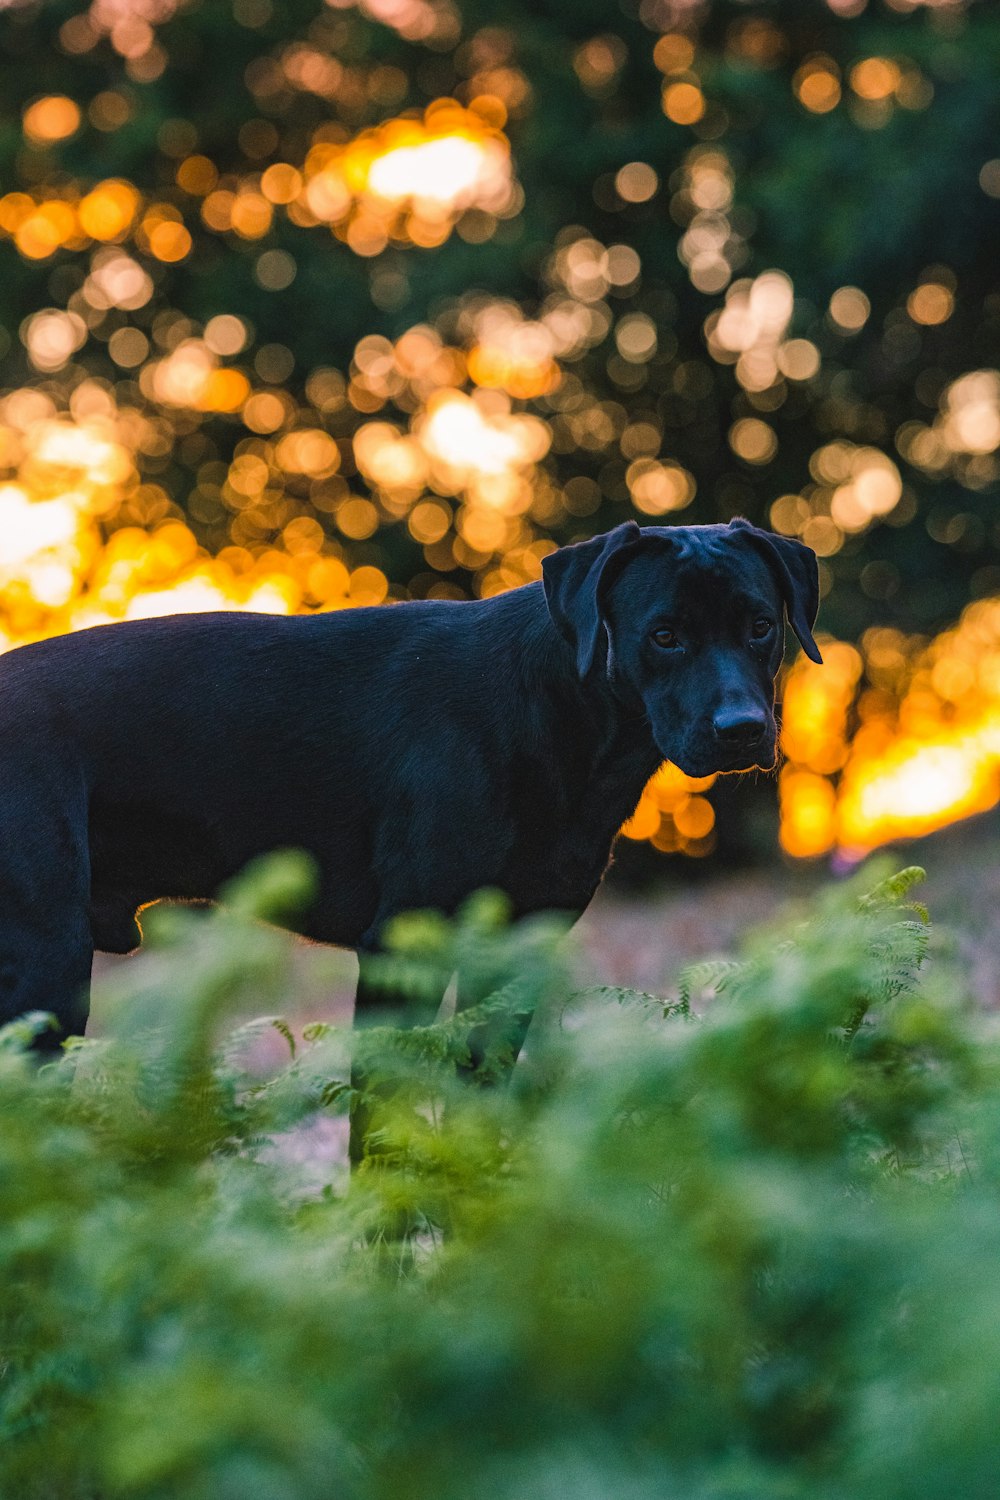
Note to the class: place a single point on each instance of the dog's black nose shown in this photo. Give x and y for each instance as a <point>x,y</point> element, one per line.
<point>740,727</point>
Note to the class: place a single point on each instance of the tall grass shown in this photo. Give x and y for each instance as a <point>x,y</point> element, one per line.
<point>738,1242</point>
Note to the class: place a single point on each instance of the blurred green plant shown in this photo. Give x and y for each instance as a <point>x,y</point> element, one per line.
<point>735,1242</point>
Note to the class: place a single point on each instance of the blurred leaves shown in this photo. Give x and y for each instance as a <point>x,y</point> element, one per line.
<point>879,179</point>
<point>745,1249</point>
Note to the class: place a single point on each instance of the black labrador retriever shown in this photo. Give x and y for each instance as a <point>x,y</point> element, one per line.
<point>418,752</point>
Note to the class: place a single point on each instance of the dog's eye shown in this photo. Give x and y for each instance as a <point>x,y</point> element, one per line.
<point>665,638</point>
<point>761,628</point>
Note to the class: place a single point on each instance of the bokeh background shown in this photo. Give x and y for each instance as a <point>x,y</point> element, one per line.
<point>312,305</point>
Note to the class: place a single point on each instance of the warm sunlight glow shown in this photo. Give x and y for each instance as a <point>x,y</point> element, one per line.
<point>410,178</point>
<point>894,739</point>
<point>59,569</point>
<point>673,814</point>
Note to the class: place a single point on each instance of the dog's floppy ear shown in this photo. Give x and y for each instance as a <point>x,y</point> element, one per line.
<point>795,569</point>
<point>572,578</point>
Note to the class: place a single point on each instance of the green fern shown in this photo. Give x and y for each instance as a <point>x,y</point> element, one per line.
<point>721,1258</point>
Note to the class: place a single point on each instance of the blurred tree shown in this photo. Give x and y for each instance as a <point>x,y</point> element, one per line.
<point>690,261</point>
<point>845,150</point>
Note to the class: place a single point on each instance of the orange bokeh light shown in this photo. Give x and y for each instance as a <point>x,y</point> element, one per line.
<point>51,119</point>
<point>892,739</point>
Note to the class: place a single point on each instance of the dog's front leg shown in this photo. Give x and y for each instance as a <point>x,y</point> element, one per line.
<point>494,1044</point>
<point>377,1004</point>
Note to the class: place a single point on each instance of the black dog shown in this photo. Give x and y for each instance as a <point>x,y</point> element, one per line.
<point>417,752</point>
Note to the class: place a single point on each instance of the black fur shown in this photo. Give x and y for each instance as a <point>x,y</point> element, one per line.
<point>418,751</point>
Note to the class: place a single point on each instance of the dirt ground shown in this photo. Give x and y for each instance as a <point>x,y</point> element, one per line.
<point>643,941</point>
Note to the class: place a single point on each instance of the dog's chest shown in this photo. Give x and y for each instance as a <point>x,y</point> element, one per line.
<point>566,834</point>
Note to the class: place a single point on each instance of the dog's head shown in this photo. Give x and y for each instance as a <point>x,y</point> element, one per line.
<point>686,623</point>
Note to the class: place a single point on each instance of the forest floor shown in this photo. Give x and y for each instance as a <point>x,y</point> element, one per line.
<point>643,940</point>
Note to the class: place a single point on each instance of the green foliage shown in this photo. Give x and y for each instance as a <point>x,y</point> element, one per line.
<point>735,1242</point>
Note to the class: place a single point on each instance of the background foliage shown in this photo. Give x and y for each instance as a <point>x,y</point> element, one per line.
<point>888,188</point>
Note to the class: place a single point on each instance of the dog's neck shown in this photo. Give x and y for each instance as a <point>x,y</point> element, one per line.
<point>604,739</point>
